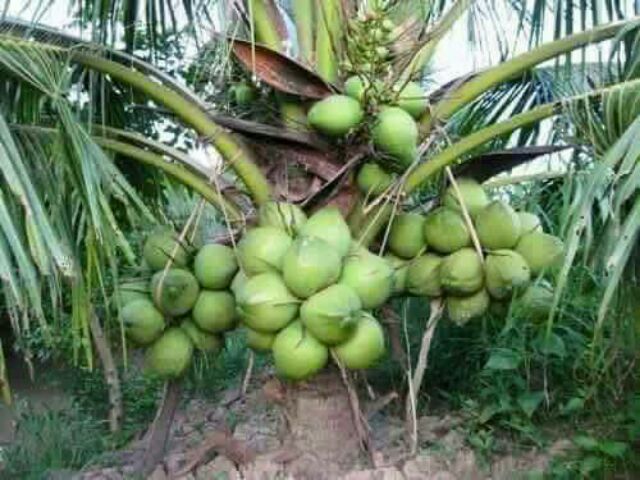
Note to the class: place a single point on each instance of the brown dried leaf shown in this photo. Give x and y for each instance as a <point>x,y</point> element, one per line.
<point>280,71</point>
<point>345,199</point>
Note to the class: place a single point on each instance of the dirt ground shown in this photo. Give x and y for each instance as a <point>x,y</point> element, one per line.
<point>237,438</point>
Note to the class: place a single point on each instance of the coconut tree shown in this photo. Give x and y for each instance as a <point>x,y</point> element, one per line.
<point>77,116</point>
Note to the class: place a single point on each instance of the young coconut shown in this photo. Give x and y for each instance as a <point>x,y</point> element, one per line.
<point>498,226</point>
<point>265,303</point>
<point>328,224</point>
<point>506,271</point>
<point>370,276</point>
<point>262,249</point>
<point>423,276</point>
<point>215,311</point>
<point>297,355</point>
<point>238,282</point>
<point>529,222</point>
<point>372,179</point>
<point>203,341</point>
<point>446,231</point>
<point>406,238</point>
<point>259,341</point>
<point>214,266</point>
<point>413,100</point>
<point>161,247</point>
<point>365,347</point>
<point>330,315</point>
<point>396,134</point>
<point>335,115</point>
<point>310,265</point>
<point>243,94</point>
<point>536,301</point>
<point>540,250</point>
<point>462,309</point>
<point>132,290</point>
<point>355,86</point>
<point>473,196</point>
<point>282,215</point>
<point>174,291</point>
<point>143,322</point>
<point>400,268</point>
<point>170,356</point>
<point>461,273</point>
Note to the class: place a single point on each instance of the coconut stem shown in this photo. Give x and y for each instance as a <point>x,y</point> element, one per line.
<point>415,382</point>
<point>465,214</point>
<point>358,418</point>
<point>247,374</point>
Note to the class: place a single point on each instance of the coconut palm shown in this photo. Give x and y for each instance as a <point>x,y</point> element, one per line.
<point>88,127</point>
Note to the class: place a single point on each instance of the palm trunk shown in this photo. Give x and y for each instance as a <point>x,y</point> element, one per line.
<point>320,424</point>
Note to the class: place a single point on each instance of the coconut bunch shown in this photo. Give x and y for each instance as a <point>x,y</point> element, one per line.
<point>305,289</point>
<point>373,103</point>
<point>185,308</point>
<point>434,255</point>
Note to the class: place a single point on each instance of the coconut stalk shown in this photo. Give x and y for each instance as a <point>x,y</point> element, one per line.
<point>158,434</point>
<point>5,391</point>
<point>303,15</point>
<point>111,377</point>
<point>415,382</point>
<point>328,15</point>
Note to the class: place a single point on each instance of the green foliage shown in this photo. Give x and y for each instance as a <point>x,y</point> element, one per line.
<point>52,440</point>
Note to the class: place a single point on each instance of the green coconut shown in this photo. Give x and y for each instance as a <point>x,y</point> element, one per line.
<point>355,87</point>
<point>540,250</point>
<point>282,215</point>
<point>238,282</point>
<point>406,238</point>
<point>536,301</point>
<point>203,341</point>
<point>413,100</point>
<point>423,276</point>
<point>143,322</point>
<point>266,304</point>
<point>364,347</point>
<point>310,265</point>
<point>370,276</point>
<point>329,225</point>
<point>400,268</point>
<point>498,226</point>
<point>395,133</point>
<point>262,249</point>
<point>335,115</point>
<point>330,315</point>
<point>170,356</point>
<point>462,309</point>
<point>243,94</point>
<point>461,272</point>
<point>214,266</point>
<point>161,247</point>
<point>132,290</point>
<point>506,272</point>
<point>372,179</point>
<point>259,341</point>
<point>297,355</point>
<point>473,196</point>
<point>214,311</point>
<point>529,222</point>
<point>446,231</point>
<point>174,292</point>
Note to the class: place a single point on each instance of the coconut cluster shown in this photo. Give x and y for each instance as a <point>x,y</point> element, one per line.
<point>372,101</point>
<point>185,308</point>
<point>305,289</point>
<point>434,256</point>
